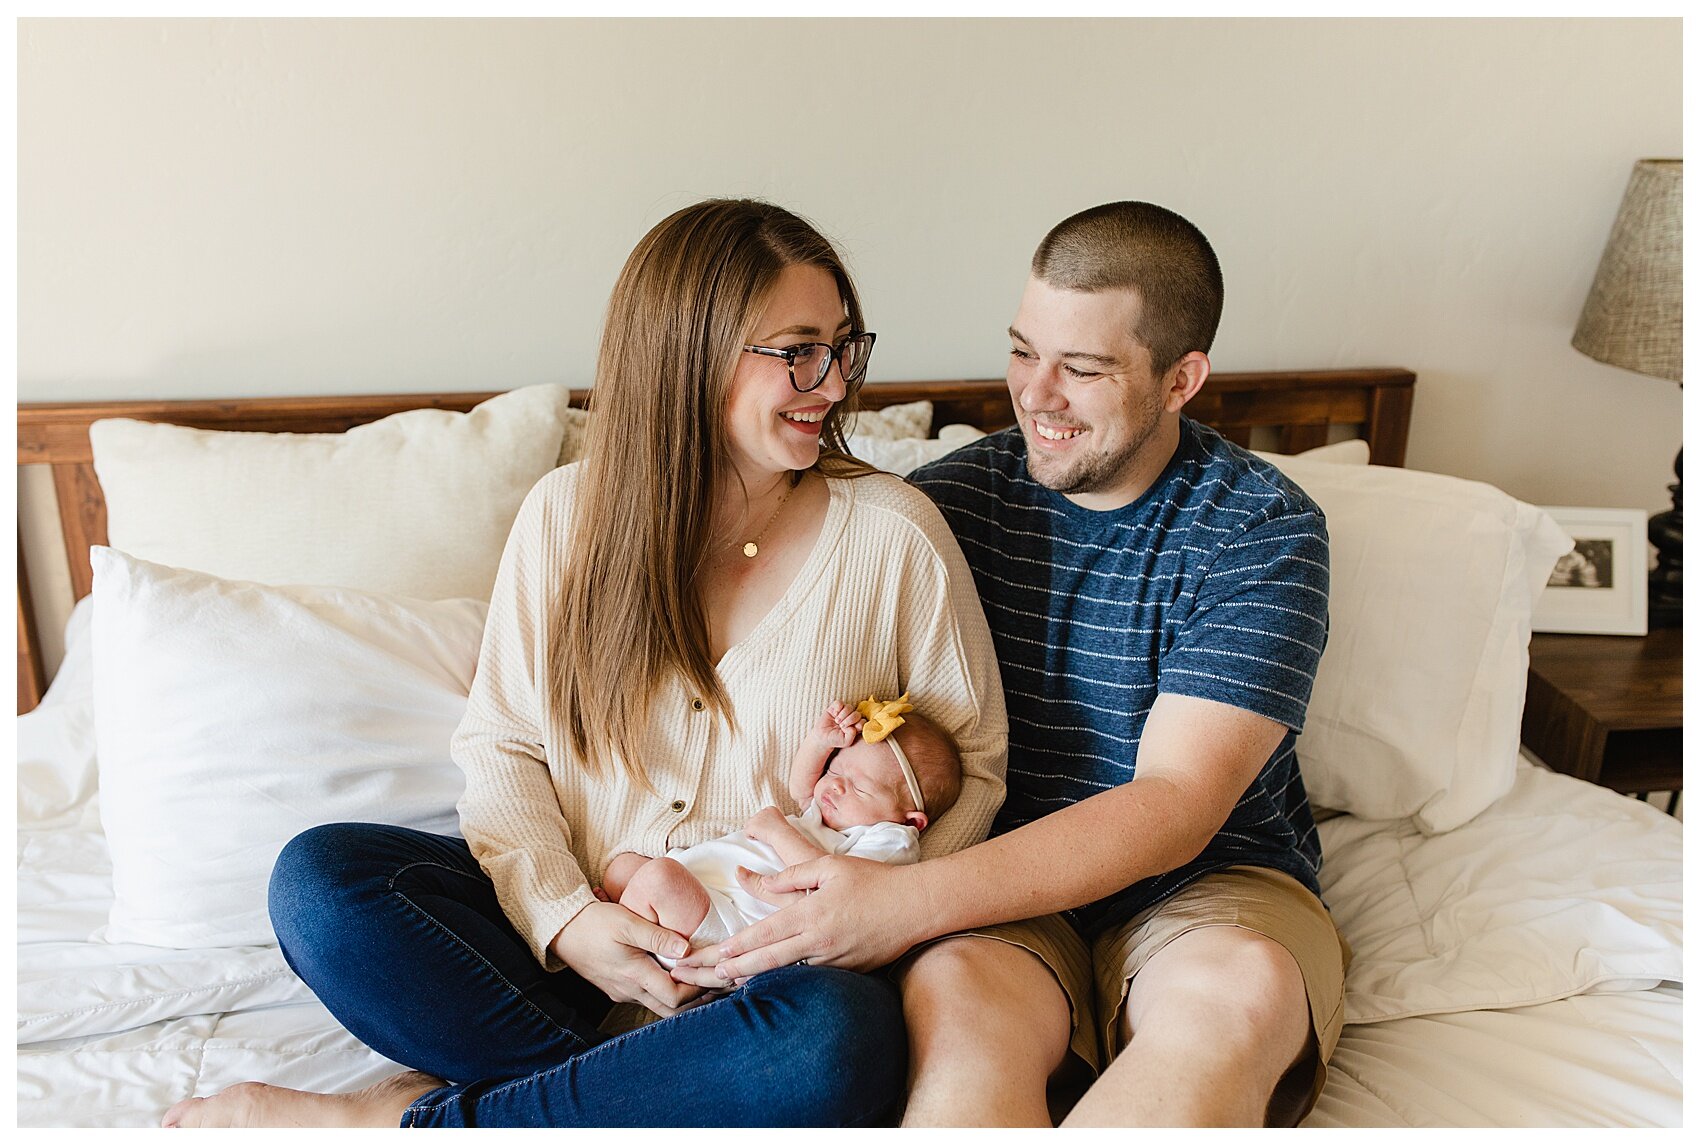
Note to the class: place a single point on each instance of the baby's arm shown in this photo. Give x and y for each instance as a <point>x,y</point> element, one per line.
<point>837,729</point>
<point>891,843</point>
<point>770,826</point>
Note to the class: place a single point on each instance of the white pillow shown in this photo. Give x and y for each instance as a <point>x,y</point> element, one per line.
<point>901,455</point>
<point>56,768</point>
<point>910,419</point>
<point>417,504</point>
<point>1418,702</point>
<point>230,716</point>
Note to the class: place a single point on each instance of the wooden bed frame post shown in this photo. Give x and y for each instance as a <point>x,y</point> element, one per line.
<point>32,678</point>
<point>1389,422</point>
<point>82,514</point>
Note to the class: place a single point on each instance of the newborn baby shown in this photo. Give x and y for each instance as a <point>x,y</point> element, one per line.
<point>884,777</point>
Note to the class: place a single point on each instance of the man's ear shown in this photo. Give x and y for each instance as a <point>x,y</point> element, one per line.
<point>916,819</point>
<point>1184,379</point>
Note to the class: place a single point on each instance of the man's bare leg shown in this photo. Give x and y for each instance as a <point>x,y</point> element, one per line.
<point>988,1025</point>
<point>1212,1022</point>
<point>252,1104</point>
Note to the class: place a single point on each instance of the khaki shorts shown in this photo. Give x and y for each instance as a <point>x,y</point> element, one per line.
<point>1267,902</point>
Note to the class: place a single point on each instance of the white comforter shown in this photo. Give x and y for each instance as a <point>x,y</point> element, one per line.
<point>1560,889</point>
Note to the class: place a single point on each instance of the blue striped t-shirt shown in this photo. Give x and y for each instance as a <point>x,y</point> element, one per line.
<point>1214,584</point>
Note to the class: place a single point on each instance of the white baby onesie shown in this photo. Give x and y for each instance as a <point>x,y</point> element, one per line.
<point>716,862</point>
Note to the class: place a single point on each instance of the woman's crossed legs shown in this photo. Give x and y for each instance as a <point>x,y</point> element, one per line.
<point>400,935</point>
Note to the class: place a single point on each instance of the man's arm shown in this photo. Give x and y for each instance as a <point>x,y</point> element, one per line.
<point>1196,759</point>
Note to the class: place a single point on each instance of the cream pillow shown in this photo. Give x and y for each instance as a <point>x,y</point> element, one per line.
<point>1353,451</point>
<point>575,423</point>
<point>1418,701</point>
<point>230,716</point>
<point>418,504</point>
<point>902,455</point>
<point>910,419</point>
<point>893,423</point>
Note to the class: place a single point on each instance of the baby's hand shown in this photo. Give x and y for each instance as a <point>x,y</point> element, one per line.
<point>764,822</point>
<point>839,727</point>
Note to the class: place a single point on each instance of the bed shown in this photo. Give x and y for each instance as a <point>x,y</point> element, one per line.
<point>1517,933</point>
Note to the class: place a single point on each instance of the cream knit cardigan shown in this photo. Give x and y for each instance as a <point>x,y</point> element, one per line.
<point>884,604</point>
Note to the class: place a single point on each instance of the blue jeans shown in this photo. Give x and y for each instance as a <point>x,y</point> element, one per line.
<point>400,935</point>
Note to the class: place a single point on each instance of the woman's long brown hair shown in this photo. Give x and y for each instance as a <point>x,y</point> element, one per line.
<point>629,611</point>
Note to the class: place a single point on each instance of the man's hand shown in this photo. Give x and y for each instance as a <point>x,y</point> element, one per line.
<point>610,947</point>
<point>838,911</point>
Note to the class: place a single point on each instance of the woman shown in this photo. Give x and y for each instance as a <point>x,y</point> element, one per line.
<point>670,615</point>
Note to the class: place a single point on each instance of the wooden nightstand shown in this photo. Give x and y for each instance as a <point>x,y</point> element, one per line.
<point>1608,709</point>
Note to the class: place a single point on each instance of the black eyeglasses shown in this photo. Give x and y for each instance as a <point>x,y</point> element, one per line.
<point>810,362</point>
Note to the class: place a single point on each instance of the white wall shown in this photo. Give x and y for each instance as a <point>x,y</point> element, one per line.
<point>212,208</point>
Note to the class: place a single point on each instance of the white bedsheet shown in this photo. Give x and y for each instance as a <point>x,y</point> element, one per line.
<point>70,986</point>
<point>1548,920</point>
<point>129,1079</point>
<point>110,1035</point>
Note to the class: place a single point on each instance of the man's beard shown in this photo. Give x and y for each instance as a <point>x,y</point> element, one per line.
<point>1094,471</point>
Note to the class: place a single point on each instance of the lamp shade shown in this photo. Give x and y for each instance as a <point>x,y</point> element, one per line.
<point>1633,316</point>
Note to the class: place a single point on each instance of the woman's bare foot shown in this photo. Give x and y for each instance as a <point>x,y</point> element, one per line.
<point>254,1104</point>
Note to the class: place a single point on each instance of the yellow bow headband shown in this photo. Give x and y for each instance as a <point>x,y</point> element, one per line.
<point>882,717</point>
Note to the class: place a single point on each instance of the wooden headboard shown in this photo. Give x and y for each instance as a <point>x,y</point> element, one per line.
<point>1291,410</point>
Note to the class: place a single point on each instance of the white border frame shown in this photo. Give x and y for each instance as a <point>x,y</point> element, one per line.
<point>1620,610</point>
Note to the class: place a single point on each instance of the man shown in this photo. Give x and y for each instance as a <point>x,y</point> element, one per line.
<point>1158,597</point>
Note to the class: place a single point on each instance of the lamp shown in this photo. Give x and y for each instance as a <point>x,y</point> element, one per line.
<point>1633,319</point>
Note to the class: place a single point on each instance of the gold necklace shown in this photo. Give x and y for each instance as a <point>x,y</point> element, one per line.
<point>752,547</point>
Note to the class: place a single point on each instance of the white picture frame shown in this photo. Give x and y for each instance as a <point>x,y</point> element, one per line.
<point>1601,585</point>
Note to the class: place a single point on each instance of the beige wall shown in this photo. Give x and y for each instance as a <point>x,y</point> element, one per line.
<point>225,208</point>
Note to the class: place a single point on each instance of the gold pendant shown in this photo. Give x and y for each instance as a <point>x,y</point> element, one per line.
<point>750,549</point>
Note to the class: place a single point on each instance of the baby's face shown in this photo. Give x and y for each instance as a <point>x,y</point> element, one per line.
<point>862,785</point>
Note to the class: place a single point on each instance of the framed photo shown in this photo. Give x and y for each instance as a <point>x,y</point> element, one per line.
<point>1601,584</point>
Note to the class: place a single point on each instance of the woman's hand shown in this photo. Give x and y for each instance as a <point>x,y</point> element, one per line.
<point>610,947</point>
<point>839,911</point>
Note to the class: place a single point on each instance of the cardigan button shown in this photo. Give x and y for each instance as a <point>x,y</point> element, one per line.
<point>697,705</point>
<point>678,806</point>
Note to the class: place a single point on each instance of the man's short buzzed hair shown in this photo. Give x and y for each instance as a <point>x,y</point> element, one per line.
<point>1149,249</point>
